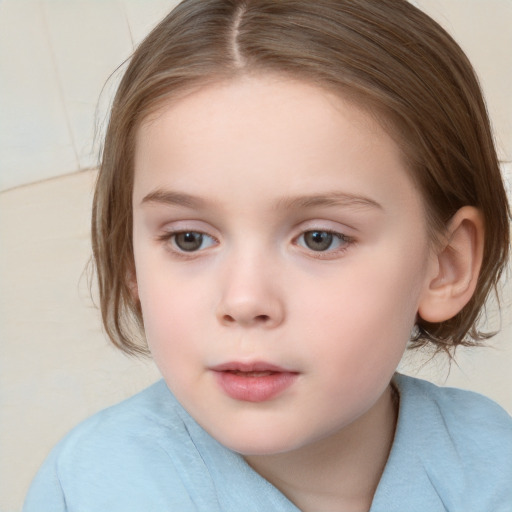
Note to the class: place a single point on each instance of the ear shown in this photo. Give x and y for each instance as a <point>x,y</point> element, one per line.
<point>455,269</point>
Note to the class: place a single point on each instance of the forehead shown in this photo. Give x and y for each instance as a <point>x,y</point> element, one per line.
<point>268,98</point>
<point>266,135</point>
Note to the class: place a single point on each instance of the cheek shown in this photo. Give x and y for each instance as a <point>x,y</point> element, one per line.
<point>369,293</point>
<point>362,319</point>
<point>164,292</point>
<point>167,312</point>
<point>172,327</point>
<point>170,308</point>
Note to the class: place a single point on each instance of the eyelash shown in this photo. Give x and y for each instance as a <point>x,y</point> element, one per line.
<point>169,238</point>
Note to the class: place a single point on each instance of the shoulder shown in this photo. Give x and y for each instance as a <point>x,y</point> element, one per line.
<point>463,412</point>
<point>119,452</point>
<point>459,442</point>
<point>152,411</point>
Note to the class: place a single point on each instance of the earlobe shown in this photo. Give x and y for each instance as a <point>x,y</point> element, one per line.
<point>456,267</point>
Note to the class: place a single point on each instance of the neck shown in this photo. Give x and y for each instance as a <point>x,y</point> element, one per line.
<point>340,472</point>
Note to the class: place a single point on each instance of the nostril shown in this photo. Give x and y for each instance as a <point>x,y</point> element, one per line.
<point>259,319</point>
<point>228,319</point>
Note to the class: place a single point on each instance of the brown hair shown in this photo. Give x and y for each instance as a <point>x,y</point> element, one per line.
<point>385,53</point>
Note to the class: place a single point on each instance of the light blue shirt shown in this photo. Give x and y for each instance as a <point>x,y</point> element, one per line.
<point>452,452</point>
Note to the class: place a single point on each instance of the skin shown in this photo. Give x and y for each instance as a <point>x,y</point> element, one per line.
<point>232,161</point>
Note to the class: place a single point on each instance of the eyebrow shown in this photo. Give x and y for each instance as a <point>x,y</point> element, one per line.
<point>172,198</point>
<point>328,200</point>
<point>331,199</point>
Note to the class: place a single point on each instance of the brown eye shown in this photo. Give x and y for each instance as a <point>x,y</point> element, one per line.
<point>188,241</point>
<point>318,240</point>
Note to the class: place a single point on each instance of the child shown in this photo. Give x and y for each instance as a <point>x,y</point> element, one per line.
<point>290,193</point>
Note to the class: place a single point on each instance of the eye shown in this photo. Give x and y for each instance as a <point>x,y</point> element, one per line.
<point>190,241</point>
<point>321,241</point>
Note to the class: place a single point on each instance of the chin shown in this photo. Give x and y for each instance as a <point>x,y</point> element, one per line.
<point>252,442</point>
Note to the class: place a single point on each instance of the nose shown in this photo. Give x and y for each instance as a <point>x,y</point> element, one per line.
<point>250,296</point>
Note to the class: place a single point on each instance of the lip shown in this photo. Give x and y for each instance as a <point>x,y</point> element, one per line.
<point>254,381</point>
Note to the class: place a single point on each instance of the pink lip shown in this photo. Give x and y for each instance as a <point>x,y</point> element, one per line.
<point>253,382</point>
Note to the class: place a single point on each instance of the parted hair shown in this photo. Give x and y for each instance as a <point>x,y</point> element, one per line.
<point>387,55</point>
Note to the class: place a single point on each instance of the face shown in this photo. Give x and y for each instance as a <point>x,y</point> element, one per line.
<point>281,254</point>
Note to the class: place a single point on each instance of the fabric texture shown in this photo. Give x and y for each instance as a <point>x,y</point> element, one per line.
<point>452,452</point>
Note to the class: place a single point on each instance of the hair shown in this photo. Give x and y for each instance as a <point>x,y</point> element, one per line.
<point>386,54</point>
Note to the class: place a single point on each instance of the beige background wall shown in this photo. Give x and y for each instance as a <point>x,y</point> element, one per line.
<point>55,366</point>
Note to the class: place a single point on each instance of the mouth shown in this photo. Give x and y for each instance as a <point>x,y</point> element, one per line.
<point>253,382</point>
<point>252,367</point>
<point>250,374</point>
